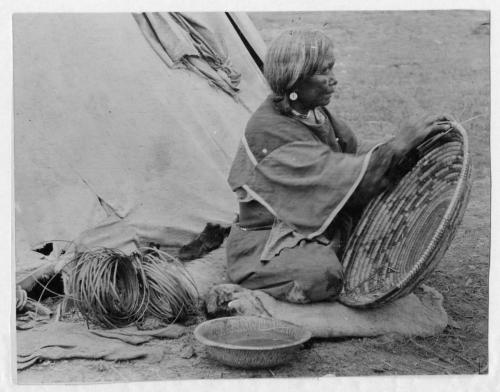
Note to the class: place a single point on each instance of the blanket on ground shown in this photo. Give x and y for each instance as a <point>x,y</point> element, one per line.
<point>59,340</point>
<point>418,314</point>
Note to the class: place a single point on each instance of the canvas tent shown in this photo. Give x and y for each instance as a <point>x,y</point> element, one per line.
<point>111,141</point>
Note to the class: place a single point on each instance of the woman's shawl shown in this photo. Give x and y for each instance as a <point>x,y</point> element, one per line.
<point>299,175</point>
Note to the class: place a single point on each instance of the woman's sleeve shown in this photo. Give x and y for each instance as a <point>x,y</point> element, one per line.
<point>383,169</point>
<point>386,167</point>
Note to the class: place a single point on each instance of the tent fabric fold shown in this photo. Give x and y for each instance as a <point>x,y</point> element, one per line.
<point>181,40</point>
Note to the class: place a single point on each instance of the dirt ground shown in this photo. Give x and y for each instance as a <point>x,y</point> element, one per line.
<point>390,66</point>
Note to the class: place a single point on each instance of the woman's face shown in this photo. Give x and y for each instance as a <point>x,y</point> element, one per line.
<point>316,90</point>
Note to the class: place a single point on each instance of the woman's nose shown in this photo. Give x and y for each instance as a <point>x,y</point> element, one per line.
<point>332,81</point>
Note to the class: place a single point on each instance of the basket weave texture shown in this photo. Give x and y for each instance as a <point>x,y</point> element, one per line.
<point>275,342</point>
<point>404,232</point>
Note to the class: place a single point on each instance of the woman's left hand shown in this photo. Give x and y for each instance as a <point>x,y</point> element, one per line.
<point>414,134</point>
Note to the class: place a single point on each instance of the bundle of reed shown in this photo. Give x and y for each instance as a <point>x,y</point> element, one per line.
<point>109,288</point>
<point>172,291</point>
<point>112,289</point>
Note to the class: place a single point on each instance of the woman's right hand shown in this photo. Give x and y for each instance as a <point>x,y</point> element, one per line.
<point>415,133</point>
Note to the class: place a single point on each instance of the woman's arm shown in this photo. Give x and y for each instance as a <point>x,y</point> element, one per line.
<point>392,160</point>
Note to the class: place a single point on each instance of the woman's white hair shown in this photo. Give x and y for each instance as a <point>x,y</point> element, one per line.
<point>293,55</point>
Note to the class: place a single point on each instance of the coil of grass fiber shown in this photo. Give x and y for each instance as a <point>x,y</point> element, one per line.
<point>172,291</point>
<point>109,288</point>
<point>404,232</point>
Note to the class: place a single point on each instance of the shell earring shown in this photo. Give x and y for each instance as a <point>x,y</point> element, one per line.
<point>293,96</point>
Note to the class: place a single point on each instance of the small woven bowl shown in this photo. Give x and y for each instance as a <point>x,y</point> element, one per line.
<point>404,232</point>
<point>251,342</point>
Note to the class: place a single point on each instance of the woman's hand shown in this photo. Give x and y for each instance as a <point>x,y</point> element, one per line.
<point>413,134</point>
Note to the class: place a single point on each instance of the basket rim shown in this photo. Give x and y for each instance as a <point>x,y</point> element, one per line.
<point>306,335</point>
<point>361,300</point>
<point>459,189</point>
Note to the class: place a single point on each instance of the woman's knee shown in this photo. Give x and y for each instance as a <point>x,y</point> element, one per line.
<point>324,284</point>
<point>320,278</point>
<point>304,274</point>
<point>313,285</point>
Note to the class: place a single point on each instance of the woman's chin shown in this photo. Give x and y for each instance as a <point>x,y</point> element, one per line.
<point>327,100</point>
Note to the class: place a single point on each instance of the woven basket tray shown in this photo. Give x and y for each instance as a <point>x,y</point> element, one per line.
<point>251,342</point>
<point>404,232</point>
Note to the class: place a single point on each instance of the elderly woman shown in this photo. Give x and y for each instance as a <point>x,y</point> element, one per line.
<point>299,177</point>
